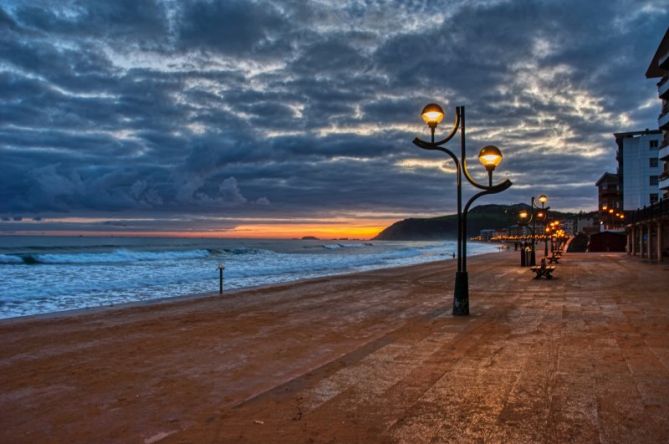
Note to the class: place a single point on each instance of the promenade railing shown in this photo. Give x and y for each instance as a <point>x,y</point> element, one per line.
<point>647,213</point>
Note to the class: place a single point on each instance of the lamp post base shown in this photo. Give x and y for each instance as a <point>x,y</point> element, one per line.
<point>461,294</point>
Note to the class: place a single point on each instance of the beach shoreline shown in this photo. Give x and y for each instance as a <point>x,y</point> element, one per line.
<point>198,296</point>
<point>63,276</point>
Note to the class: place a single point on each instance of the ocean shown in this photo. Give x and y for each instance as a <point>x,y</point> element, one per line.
<point>50,274</point>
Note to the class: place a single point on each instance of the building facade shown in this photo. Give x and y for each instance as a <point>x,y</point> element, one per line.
<point>648,228</point>
<point>639,168</point>
<point>659,69</point>
<point>608,191</point>
<point>610,202</point>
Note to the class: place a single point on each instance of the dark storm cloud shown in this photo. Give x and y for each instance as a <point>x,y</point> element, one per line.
<point>270,108</point>
<point>231,27</point>
<point>119,21</point>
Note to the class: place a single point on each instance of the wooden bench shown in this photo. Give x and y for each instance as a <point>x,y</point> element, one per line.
<point>546,271</point>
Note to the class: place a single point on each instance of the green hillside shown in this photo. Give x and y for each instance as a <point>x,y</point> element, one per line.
<point>446,227</point>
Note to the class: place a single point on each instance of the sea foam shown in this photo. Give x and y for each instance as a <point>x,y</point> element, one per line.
<point>36,280</point>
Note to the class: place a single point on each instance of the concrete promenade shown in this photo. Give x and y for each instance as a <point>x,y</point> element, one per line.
<point>365,358</point>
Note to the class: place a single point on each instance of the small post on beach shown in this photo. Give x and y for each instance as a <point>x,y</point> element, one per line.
<point>221,267</point>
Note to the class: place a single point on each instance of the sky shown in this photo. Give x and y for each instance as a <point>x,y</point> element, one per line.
<point>289,118</point>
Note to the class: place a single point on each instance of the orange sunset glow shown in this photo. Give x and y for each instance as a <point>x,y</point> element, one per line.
<point>354,229</point>
<point>325,231</point>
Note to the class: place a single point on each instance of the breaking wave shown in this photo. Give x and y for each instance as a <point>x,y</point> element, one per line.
<point>79,279</point>
<point>113,257</point>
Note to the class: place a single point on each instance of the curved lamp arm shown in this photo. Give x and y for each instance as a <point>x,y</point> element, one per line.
<point>500,186</point>
<point>454,131</point>
<point>434,147</point>
<point>489,190</point>
<point>461,165</point>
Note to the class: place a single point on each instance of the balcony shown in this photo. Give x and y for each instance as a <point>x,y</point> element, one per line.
<point>663,120</point>
<point>663,88</point>
<point>663,183</point>
<point>663,154</point>
<point>663,60</point>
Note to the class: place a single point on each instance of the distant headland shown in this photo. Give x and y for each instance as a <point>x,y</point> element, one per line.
<point>446,227</point>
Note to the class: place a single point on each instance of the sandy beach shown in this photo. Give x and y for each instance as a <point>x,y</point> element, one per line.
<point>369,357</point>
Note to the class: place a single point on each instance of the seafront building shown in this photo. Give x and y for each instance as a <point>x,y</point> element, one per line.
<point>648,227</point>
<point>659,69</point>
<point>638,168</point>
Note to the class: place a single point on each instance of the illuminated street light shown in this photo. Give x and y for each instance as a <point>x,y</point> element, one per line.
<point>524,219</point>
<point>432,115</point>
<point>490,157</point>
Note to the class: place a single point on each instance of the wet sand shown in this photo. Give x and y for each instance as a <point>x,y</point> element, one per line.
<point>369,357</point>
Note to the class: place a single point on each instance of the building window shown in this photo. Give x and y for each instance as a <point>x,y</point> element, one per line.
<point>653,180</point>
<point>653,198</point>
<point>653,162</point>
<point>653,144</point>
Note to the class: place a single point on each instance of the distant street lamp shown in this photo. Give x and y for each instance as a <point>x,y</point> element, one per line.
<point>490,157</point>
<point>547,235</point>
<point>553,232</point>
<point>534,214</point>
<point>543,216</point>
<point>524,218</point>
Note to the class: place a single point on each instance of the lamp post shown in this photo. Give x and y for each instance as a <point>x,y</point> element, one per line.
<point>524,218</point>
<point>548,234</point>
<point>490,157</point>
<point>543,216</point>
<point>551,235</point>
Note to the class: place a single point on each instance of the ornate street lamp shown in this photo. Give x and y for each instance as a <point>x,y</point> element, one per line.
<point>547,235</point>
<point>524,219</point>
<point>490,157</point>
<point>543,216</point>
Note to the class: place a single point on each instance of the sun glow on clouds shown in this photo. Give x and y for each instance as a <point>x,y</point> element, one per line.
<point>414,164</point>
<point>368,129</point>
